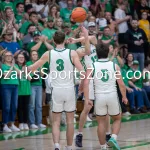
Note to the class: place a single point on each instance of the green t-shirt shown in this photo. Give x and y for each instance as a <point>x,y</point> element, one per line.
<point>104,38</point>
<point>16,2</point>
<point>24,87</point>
<point>12,79</point>
<point>115,60</point>
<point>19,18</point>
<point>4,5</point>
<point>75,26</point>
<point>71,46</point>
<point>139,82</point>
<point>49,33</point>
<point>65,14</point>
<point>24,27</point>
<point>36,83</point>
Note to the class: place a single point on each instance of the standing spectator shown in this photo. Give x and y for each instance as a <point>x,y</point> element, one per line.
<point>24,92</point>
<point>35,104</point>
<point>128,61</point>
<point>39,44</point>
<point>6,4</point>
<point>136,38</point>
<point>145,25</point>
<point>28,38</point>
<point>53,11</point>
<point>58,24</point>
<point>143,8</point>
<point>8,43</point>
<point>50,30</point>
<point>33,19</point>
<point>9,89</point>
<point>92,28</point>
<point>121,18</point>
<point>62,3</point>
<point>106,37</point>
<point>19,15</point>
<point>66,12</point>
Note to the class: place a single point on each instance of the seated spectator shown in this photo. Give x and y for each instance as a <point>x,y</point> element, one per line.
<point>24,92</point>
<point>145,25</point>
<point>146,81</point>
<point>50,30</point>
<point>136,82</point>
<point>8,43</point>
<point>136,38</point>
<point>35,103</point>
<point>28,38</point>
<point>33,19</point>
<point>128,61</point>
<point>39,44</point>
<point>92,28</point>
<point>9,91</point>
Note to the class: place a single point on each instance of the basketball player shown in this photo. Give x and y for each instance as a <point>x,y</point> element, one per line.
<point>63,92</point>
<point>106,98</point>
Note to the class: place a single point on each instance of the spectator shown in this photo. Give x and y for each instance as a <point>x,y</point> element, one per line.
<point>106,37</point>
<point>19,15</point>
<point>92,28</point>
<point>53,11</point>
<point>24,92</point>
<point>136,82</point>
<point>50,30</point>
<point>9,89</point>
<point>62,4</point>
<point>128,62</point>
<point>147,78</point>
<point>33,19</point>
<point>121,18</point>
<point>58,24</point>
<point>136,38</point>
<point>29,37</point>
<point>7,42</point>
<point>6,4</point>
<point>143,8</point>
<point>39,44</point>
<point>35,104</point>
<point>145,25</point>
<point>66,12</point>
<point>42,7</point>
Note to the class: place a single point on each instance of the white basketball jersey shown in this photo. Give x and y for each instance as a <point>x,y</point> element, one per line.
<point>104,76</point>
<point>87,60</point>
<point>61,68</point>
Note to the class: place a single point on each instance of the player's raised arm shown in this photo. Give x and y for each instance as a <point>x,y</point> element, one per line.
<point>121,84</point>
<point>40,62</point>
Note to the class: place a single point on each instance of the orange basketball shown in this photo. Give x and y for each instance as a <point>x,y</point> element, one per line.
<point>79,15</point>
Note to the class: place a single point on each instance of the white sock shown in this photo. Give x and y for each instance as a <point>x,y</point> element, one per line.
<point>57,145</point>
<point>68,147</point>
<point>107,133</point>
<point>103,146</point>
<point>114,136</point>
<point>80,133</point>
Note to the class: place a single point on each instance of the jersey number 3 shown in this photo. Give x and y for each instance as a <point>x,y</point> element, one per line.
<point>105,76</point>
<point>60,66</point>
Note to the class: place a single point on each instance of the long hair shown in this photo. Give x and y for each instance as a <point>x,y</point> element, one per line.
<point>16,60</point>
<point>50,8</point>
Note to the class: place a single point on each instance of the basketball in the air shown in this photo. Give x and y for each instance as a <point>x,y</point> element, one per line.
<point>78,15</point>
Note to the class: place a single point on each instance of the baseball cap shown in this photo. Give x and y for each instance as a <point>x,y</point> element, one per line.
<point>8,32</point>
<point>91,24</point>
<point>36,33</point>
<point>50,19</point>
<point>135,62</point>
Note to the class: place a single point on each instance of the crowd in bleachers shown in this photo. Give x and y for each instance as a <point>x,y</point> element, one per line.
<point>26,33</point>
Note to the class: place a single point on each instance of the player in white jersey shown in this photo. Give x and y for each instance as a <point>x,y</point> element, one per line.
<point>105,73</point>
<point>87,56</point>
<point>62,62</point>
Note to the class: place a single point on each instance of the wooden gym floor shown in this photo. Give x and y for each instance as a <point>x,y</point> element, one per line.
<point>134,135</point>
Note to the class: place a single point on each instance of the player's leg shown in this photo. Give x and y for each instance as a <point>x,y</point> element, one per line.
<point>82,121</point>
<point>108,133</point>
<point>101,130</point>
<point>56,117</point>
<point>70,129</point>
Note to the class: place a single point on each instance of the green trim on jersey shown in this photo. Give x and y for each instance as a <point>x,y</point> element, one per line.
<point>103,61</point>
<point>83,63</point>
<point>114,66</point>
<point>49,57</point>
<point>60,50</point>
<point>70,57</point>
<point>93,73</point>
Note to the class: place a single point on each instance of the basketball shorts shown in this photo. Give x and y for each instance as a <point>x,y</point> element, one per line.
<point>91,91</point>
<point>107,103</point>
<point>63,99</point>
